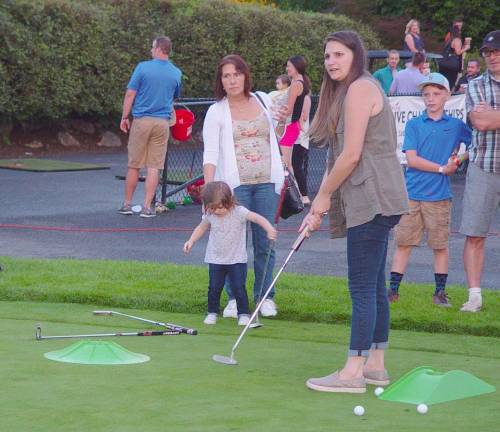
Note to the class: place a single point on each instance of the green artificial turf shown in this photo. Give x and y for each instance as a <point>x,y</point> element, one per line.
<point>182,389</point>
<point>47,165</point>
<point>177,288</point>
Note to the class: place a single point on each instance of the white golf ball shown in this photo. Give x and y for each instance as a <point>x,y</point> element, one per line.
<point>378,391</point>
<point>359,410</point>
<point>136,208</point>
<point>422,408</point>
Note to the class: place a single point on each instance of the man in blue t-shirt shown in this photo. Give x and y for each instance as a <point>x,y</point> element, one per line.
<point>149,98</point>
<point>431,143</point>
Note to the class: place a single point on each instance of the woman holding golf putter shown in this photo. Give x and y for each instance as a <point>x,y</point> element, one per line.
<point>355,117</point>
<point>226,253</point>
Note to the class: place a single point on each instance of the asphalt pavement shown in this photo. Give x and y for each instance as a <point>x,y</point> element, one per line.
<point>74,215</point>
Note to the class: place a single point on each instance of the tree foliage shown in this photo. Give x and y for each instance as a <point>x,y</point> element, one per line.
<point>61,58</point>
<point>480,16</point>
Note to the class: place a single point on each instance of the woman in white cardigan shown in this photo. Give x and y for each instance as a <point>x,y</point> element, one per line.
<point>240,148</point>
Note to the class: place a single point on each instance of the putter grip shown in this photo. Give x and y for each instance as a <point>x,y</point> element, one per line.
<point>300,239</point>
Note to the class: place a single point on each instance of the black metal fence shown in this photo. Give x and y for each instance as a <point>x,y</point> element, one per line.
<point>184,162</point>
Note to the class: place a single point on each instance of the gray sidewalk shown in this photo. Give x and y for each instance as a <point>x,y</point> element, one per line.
<point>73,215</point>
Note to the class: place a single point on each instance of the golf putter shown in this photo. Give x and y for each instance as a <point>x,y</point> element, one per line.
<point>38,334</point>
<point>170,326</point>
<point>257,323</point>
<point>231,360</point>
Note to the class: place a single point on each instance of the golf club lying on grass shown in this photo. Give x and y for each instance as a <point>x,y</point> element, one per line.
<point>38,334</point>
<point>230,360</point>
<point>173,327</point>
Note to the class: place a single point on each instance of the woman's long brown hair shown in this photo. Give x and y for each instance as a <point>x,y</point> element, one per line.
<point>333,93</point>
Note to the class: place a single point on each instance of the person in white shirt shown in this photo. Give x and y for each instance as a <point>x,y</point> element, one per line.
<point>240,148</point>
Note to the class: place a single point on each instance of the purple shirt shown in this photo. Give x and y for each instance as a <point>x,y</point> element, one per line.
<point>407,81</point>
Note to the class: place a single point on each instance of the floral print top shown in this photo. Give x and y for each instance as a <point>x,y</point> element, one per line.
<point>253,149</point>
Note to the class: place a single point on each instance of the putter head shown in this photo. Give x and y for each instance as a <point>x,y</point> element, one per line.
<point>102,312</point>
<point>38,332</point>
<point>224,360</point>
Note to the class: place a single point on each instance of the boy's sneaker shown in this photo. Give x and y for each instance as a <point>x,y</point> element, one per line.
<point>268,308</point>
<point>474,304</point>
<point>147,213</point>
<point>243,320</point>
<point>441,299</point>
<point>393,296</point>
<point>210,319</point>
<point>231,310</point>
<point>126,209</point>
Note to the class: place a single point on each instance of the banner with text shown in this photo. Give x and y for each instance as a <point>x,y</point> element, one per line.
<point>404,108</point>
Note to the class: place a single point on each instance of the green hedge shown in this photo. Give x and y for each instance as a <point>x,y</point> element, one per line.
<point>61,58</point>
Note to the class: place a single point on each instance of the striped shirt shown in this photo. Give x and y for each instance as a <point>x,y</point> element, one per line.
<point>485,149</point>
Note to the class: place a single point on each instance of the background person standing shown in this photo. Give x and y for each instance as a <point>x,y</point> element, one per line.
<point>300,87</point>
<point>451,63</point>
<point>241,149</point>
<point>413,41</point>
<point>482,187</point>
<point>430,141</point>
<point>150,95</point>
<point>407,80</point>
<point>473,71</point>
<point>386,75</point>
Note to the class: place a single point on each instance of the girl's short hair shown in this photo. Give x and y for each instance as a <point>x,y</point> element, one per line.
<point>217,193</point>
<point>241,66</point>
<point>285,79</point>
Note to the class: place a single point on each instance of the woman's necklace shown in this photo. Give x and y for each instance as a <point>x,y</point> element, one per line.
<point>241,107</point>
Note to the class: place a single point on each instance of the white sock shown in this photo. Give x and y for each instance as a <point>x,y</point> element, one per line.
<point>474,292</point>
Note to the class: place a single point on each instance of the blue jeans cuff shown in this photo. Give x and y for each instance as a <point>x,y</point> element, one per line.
<point>358,353</point>
<point>379,345</point>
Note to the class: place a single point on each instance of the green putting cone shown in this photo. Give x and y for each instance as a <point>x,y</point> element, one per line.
<point>96,352</point>
<point>424,385</point>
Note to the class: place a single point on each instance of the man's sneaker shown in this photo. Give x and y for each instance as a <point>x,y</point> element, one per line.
<point>268,308</point>
<point>126,209</point>
<point>474,304</point>
<point>393,296</point>
<point>210,319</point>
<point>441,299</point>
<point>243,320</point>
<point>147,213</point>
<point>231,310</point>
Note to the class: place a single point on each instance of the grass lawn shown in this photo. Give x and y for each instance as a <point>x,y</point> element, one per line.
<point>176,288</point>
<point>182,389</point>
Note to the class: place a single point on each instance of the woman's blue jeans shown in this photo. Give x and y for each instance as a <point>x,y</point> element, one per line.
<point>262,199</point>
<point>366,256</point>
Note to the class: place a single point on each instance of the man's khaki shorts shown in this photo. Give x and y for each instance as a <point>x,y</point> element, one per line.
<point>147,142</point>
<point>433,218</point>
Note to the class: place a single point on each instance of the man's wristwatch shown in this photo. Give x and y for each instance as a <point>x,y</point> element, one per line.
<point>441,170</point>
